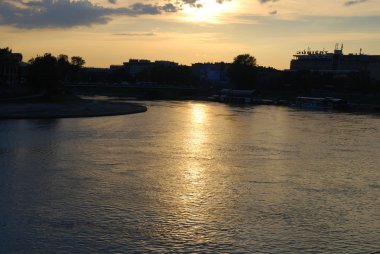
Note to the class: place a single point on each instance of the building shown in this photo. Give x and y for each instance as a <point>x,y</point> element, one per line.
<point>267,78</point>
<point>10,70</point>
<point>166,63</point>
<point>136,66</point>
<point>337,62</point>
<point>93,75</point>
<point>236,96</point>
<point>116,67</point>
<point>211,74</point>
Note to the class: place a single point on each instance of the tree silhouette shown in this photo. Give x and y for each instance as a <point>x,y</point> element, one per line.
<point>245,60</point>
<point>77,62</point>
<point>43,74</point>
<point>46,73</point>
<point>64,66</point>
<point>5,51</point>
<point>243,71</point>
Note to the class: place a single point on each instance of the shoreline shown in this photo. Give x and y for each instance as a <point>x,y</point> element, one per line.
<point>120,105</point>
<point>72,109</point>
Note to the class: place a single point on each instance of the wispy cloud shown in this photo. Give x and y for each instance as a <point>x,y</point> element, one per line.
<point>135,34</point>
<point>273,12</point>
<point>352,2</point>
<point>268,1</point>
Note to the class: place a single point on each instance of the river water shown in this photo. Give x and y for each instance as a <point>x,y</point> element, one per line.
<point>192,177</point>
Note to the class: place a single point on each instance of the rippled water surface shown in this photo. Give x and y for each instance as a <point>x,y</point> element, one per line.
<point>192,177</point>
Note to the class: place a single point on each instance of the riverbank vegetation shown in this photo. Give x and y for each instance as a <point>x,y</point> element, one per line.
<point>243,71</point>
<point>47,73</point>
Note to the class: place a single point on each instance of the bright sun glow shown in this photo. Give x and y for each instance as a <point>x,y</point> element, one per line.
<point>210,12</point>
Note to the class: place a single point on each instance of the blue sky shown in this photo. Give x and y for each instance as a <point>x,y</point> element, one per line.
<point>107,32</point>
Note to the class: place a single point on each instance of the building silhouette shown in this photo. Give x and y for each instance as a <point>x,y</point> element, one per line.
<point>336,62</point>
<point>10,70</point>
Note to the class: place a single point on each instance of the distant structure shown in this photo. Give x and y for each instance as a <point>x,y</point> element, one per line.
<point>136,66</point>
<point>337,62</point>
<point>211,74</point>
<point>236,96</point>
<point>93,75</point>
<point>10,70</point>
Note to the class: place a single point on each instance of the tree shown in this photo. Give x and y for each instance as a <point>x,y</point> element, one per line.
<point>243,71</point>
<point>63,66</point>
<point>245,60</point>
<point>43,74</point>
<point>46,73</point>
<point>5,51</point>
<point>77,62</point>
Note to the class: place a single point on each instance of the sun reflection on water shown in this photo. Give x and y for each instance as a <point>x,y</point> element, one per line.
<point>198,114</point>
<point>197,136</point>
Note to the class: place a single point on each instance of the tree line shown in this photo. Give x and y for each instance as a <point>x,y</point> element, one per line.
<point>5,51</point>
<point>47,73</point>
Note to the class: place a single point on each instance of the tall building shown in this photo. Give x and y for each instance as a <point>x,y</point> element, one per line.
<point>337,62</point>
<point>10,74</point>
<point>136,66</point>
<point>213,74</point>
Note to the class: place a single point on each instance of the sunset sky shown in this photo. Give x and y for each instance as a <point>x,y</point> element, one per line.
<point>106,32</point>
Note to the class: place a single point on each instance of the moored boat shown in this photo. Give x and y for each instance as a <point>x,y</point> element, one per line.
<point>326,103</point>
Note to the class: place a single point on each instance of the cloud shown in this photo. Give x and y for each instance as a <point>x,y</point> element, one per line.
<point>198,4</point>
<point>352,2</point>
<point>192,3</point>
<point>169,7</point>
<point>70,13</point>
<point>273,12</point>
<point>267,1</point>
<point>135,34</point>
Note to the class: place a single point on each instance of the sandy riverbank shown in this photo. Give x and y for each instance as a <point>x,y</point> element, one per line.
<point>80,108</point>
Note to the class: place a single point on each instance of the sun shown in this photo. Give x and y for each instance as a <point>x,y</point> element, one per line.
<point>210,12</point>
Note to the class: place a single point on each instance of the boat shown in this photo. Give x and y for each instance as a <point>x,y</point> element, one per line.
<point>316,103</point>
<point>236,96</point>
